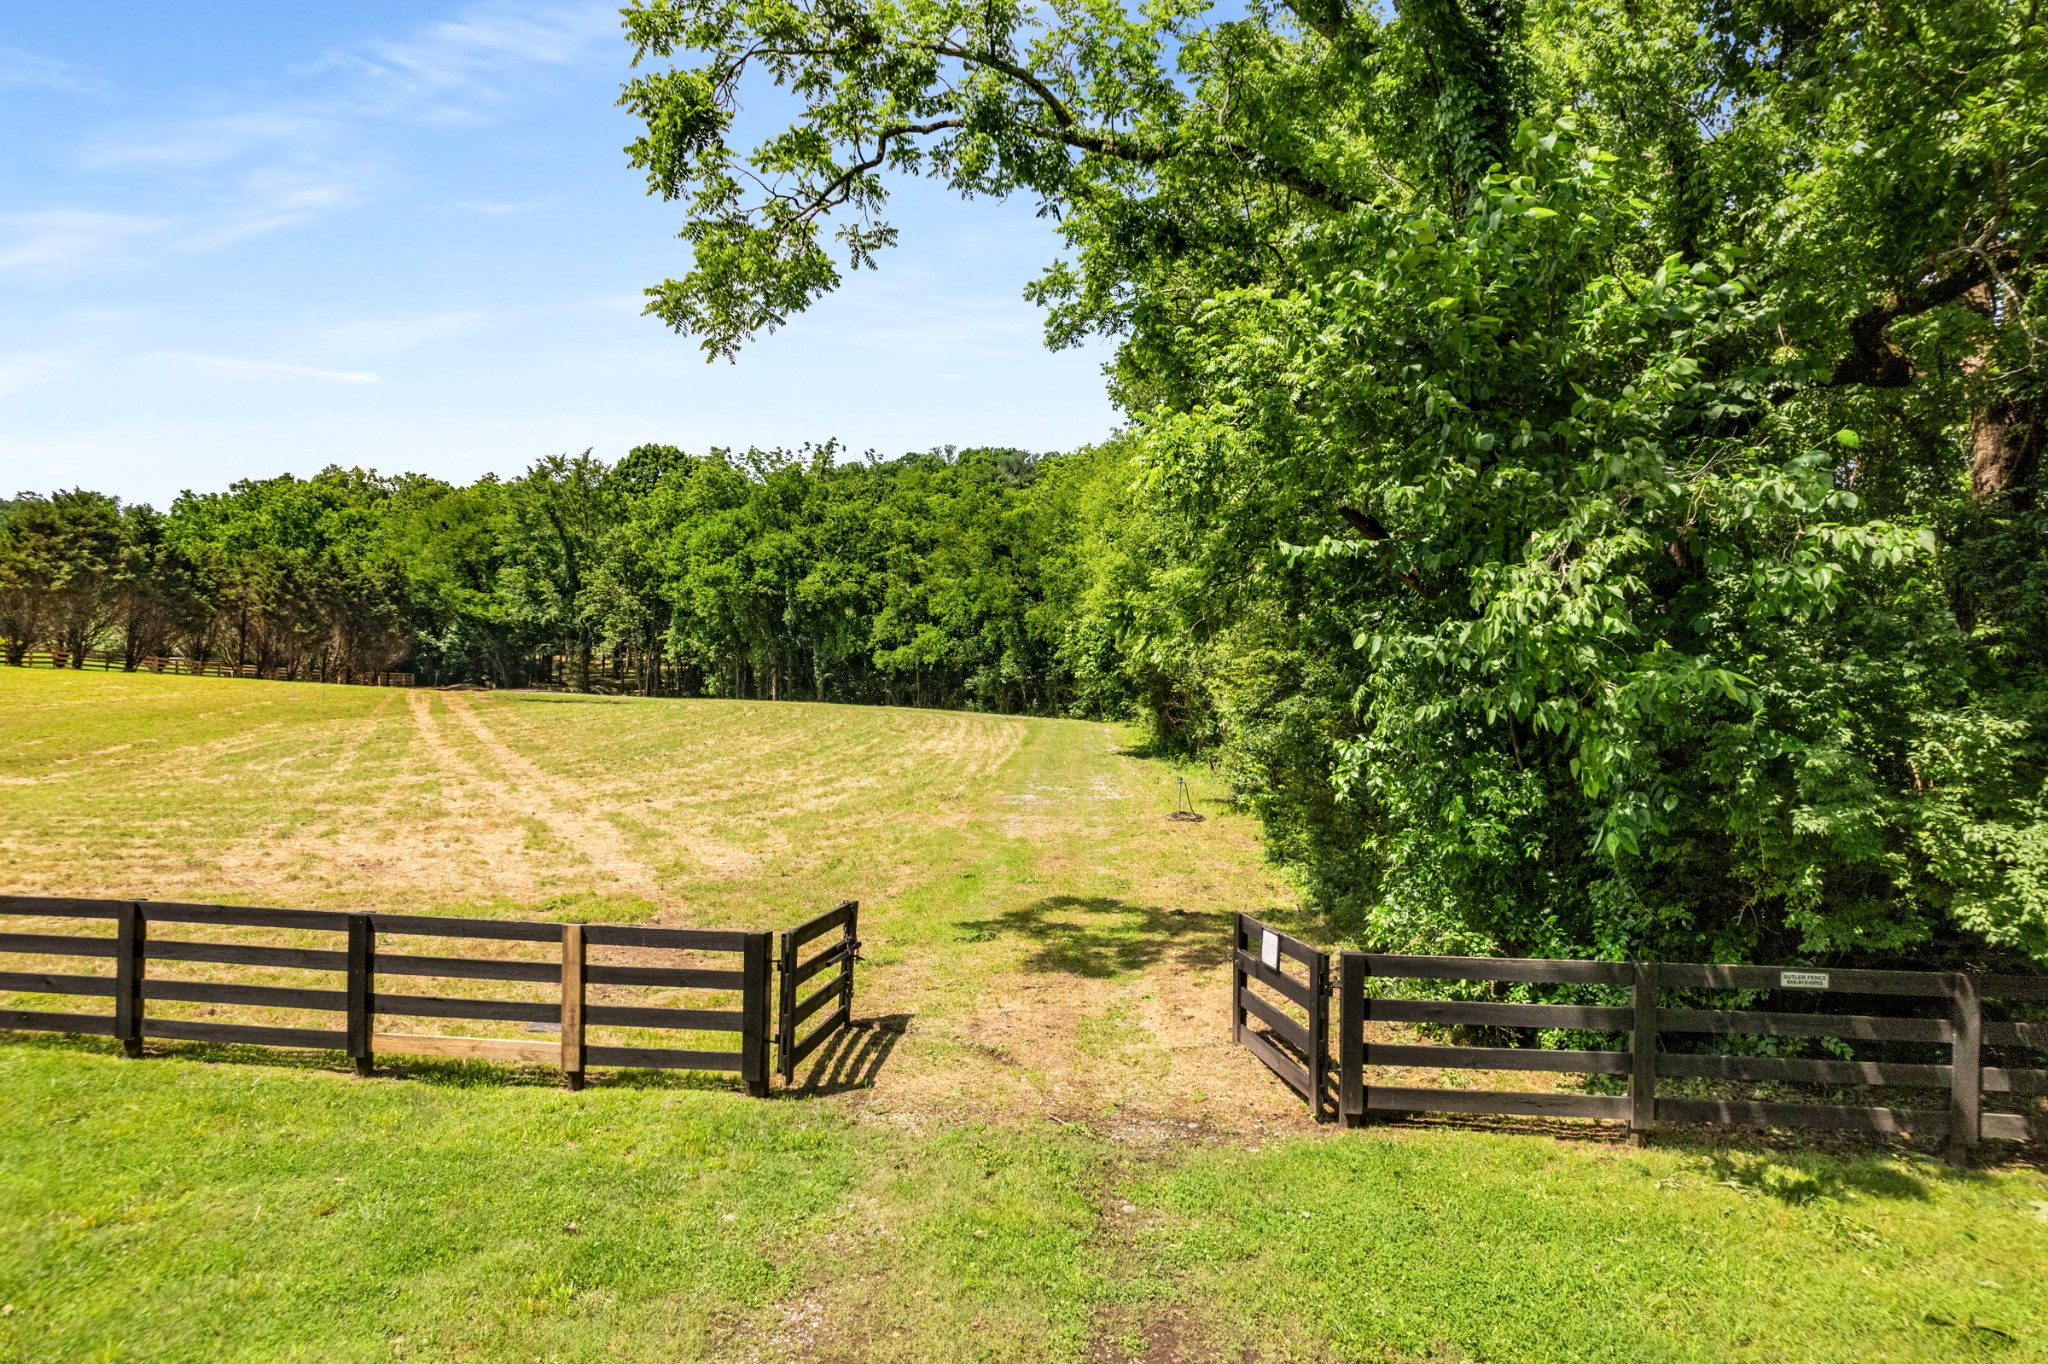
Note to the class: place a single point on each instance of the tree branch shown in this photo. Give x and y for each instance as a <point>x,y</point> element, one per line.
<point>1873,360</point>
<point>1021,74</point>
<point>1325,17</point>
<point>1369,527</point>
<point>823,200</point>
<point>1070,132</point>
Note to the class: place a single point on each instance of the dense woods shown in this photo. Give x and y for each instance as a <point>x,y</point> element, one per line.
<point>940,579</point>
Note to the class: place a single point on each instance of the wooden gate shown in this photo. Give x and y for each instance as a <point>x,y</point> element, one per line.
<point>842,954</point>
<point>1294,1048</point>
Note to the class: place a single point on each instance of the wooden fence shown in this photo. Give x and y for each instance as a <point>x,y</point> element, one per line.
<point>795,973</point>
<point>1939,1020</point>
<point>732,967</point>
<point>99,660</point>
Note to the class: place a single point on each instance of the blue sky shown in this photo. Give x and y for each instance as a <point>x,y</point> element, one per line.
<point>244,239</point>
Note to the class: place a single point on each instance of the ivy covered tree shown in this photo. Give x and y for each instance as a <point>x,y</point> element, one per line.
<point>1593,449</point>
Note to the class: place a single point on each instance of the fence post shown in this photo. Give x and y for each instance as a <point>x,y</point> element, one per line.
<point>1642,1077</point>
<point>572,1005</point>
<point>1237,941</point>
<point>1319,1030</point>
<point>132,930</point>
<point>754,1014</point>
<point>362,936</point>
<point>1351,1038</point>
<point>1966,1069</point>
<point>852,941</point>
<point>785,1016</point>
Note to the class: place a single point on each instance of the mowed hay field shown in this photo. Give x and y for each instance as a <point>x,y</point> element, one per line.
<point>1038,1144</point>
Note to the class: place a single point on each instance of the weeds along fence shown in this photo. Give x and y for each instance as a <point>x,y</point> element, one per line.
<point>617,994</point>
<point>98,660</point>
<point>1943,1041</point>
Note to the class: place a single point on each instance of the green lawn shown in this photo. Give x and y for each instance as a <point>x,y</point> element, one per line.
<point>1058,1157</point>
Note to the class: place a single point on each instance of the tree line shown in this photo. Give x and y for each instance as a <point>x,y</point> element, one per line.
<point>946,578</point>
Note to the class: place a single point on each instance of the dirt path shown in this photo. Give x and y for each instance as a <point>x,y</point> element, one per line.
<point>1105,1008</point>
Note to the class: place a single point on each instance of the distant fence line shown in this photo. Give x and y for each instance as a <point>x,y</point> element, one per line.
<point>1290,1034</point>
<point>100,660</point>
<point>362,961</point>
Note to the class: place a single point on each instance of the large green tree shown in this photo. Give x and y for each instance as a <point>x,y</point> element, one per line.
<point>1597,444</point>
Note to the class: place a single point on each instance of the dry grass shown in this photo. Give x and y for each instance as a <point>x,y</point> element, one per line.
<point>1041,936</point>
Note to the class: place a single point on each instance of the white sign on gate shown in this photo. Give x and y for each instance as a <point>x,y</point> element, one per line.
<point>1802,980</point>
<point>1269,948</point>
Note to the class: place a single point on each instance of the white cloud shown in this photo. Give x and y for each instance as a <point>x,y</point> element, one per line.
<point>19,372</point>
<point>26,70</point>
<point>235,366</point>
<point>388,335</point>
<point>446,70</point>
<point>274,197</point>
<point>211,140</point>
<point>59,242</point>
<point>238,173</point>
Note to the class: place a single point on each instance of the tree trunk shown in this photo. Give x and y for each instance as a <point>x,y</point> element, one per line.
<point>2005,451</point>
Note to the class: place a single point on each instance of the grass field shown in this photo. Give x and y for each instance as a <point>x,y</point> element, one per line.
<point>1048,1151</point>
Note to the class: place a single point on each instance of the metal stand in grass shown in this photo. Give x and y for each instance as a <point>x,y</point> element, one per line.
<point>1184,803</point>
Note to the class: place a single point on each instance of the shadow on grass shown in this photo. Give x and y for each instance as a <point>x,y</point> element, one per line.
<point>853,1057</point>
<point>1112,936</point>
<point>438,1072</point>
<point>1558,1129</point>
<point>1793,1167</point>
<point>1804,1176</point>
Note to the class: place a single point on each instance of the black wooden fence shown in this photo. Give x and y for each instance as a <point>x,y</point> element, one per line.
<point>1961,1054</point>
<point>731,968</point>
<point>792,1013</point>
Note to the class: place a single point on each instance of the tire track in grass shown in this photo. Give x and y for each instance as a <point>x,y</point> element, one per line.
<point>562,806</point>
<point>528,798</point>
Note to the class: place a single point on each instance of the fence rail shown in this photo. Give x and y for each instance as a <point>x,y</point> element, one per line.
<point>365,1006</point>
<point>1951,1018</point>
<point>100,660</point>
